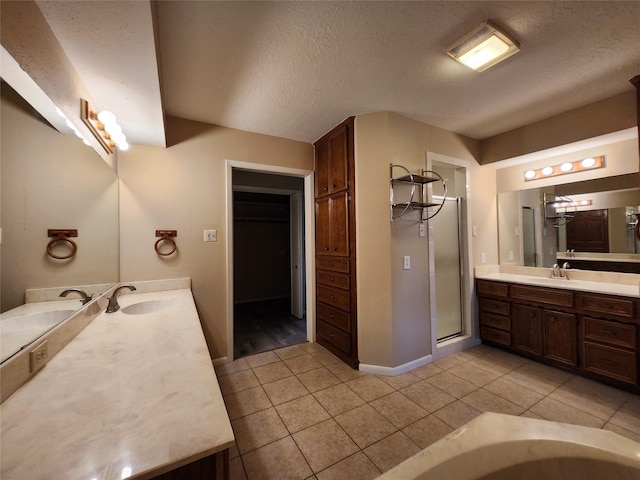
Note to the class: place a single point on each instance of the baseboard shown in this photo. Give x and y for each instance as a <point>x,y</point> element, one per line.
<point>220,361</point>
<point>400,369</point>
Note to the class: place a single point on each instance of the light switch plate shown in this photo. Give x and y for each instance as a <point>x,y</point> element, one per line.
<point>407,262</point>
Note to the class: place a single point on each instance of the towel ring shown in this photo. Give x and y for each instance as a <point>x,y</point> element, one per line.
<point>165,235</point>
<point>62,236</point>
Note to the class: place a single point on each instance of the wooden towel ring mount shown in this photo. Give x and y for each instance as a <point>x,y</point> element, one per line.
<point>62,235</point>
<point>165,236</point>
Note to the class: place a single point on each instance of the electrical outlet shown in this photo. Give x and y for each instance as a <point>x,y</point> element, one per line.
<point>421,230</point>
<point>407,262</point>
<point>510,254</point>
<point>474,230</point>
<point>39,356</point>
<point>210,235</point>
<point>483,258</point>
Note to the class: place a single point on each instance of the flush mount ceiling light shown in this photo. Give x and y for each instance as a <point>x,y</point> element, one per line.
<point>590,163</point>
<point>485,46</point>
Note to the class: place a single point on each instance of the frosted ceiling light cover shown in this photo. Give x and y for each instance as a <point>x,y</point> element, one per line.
<point>484,47</point>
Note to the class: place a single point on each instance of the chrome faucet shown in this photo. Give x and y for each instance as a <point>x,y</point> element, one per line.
<point>565,268</point>
<point>555,271</point>
<point>85,298</point>
<point>113,299</point>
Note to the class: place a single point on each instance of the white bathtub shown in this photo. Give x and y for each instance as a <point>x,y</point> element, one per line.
<point>503,447</point>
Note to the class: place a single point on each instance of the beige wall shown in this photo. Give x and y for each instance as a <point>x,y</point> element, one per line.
<point>393,302</point>
<point>183,187</point>
<point>51,180</point>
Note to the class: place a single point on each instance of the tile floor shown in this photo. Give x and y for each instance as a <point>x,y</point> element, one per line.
<point>300,413</point>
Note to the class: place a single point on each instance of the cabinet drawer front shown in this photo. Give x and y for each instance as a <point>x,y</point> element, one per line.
<point>337,280</point>
<point>547,296</point>
<point>608,306</point>
<point>495,289</point>
<point>609,361</point>
<point>610,332</point>
<point>495,321</point>
<point>335,264</point>
<point>335,317</point>
<point>333,335</point>
<point>495,306</point>
<point>495,336</point>
<point>334,297</point>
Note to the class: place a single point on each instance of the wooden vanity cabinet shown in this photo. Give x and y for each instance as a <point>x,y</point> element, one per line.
<point>336,321</point>
<point>591,334</point>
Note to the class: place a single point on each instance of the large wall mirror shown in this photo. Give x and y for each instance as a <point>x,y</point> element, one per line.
<point>599,228</point>
<point>50,180</point>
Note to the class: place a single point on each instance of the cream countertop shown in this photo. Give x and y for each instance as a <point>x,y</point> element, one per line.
<point>131,396</point>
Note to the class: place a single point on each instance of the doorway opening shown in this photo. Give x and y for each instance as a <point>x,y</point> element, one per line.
<point>269,301</point>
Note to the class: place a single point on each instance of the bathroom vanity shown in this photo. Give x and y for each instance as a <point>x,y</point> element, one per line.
<point>589,328</point>
<point>133,395</point>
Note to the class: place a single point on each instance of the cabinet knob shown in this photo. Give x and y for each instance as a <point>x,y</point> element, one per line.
<point>325,189</point>
<point>326,248</point>
<point>332,279</point>
<point>334,185</point>
<point>335,249</point>
<point>332,297</point>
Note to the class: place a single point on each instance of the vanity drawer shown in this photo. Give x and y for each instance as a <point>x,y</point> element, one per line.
<point>495,306</point>
<point>493,289</point>
<point>610,332</point>
<point>607,305</point>
<point>541,295</point>
<point>609,361</point>
<point>337,280</point>
<point>495,336</point>
<point>337,298</point>
<point>335,264</point>
<point>335,336</point>
<point>495,321</point>
<point>335,317</point>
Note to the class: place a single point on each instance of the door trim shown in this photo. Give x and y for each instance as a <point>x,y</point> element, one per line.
<point>309,235</point>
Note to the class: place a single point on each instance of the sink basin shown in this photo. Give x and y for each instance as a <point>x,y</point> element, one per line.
<point>147,307</point>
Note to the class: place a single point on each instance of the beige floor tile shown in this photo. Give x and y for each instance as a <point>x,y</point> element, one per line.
<point>553,374</point>
<point>324,444</point>
<point>279,460</point>
<point>236,469</point>
<point>510,360</point>
<point>325,357</point>
<point>627,418</point>
<point>260,359</point>
<point>427,396</point>
<point>473,374</point>
<point>392,450</point>
<point>398,409</point>
<point>447,362</point>
<point>232,367</point>
<point>470,354</point>
<point>237,381</point>
<point>233,451</point>
<point>246,402</point>
<point>533,382</point>
<point>369,388</point>
<point>400,381</point>
<point>318,379</point>
<point>426,371</point>
<point>301,413</point>
<point>312,347</point>
<point>456,414</point>
<point>426,431</point>
<point>290,352</point>
<point>530,414</point>
<point>364,425</point>
<point>452,384</point>
<point>633,403</point>
<point>303,363</point>
<point>272,372</point>
<point>338,399</point>
<point>355,467</point>
<point>344,372</point>
<point>285,389</point>
<point>622,431</point>
<point>258,429</point>
<point>518,394</point>
<point>595,398</point>
<point>551,409</point>
<point>485,401</point>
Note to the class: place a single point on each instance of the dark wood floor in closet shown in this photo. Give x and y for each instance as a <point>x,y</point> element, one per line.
<point>267,325</point>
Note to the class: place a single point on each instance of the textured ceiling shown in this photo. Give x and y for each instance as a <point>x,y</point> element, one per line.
<point>295,69</point>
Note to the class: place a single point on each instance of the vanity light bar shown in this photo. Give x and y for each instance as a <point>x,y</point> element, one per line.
<point>590,163</point>
<point>580,203</point>
<point>104,127</point>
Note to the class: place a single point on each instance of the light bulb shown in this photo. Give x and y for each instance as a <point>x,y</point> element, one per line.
<point>588,162</point>
<point>86,142</point>
<point>71,125</point>
<point>547,170</point>
<point>78,134</point>
<point>118,137</point>
<point>123,146</point>
<point>566,167</point>
<point>113,129</point>
<point>529,174</point>
<point>107,117</point>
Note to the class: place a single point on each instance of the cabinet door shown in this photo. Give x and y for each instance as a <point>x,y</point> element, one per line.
<point>339,161</point>
<point>340,225</point>
<point>527,329</point>
<point>323,154</point>
<point>323,226</point>
<point>560,337</point>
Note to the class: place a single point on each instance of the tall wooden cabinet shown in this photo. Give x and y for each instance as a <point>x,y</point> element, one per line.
<point>336,326</point>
